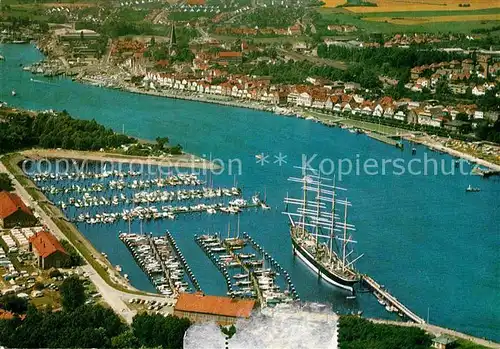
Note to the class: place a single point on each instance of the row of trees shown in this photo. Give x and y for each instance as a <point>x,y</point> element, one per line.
<point>358,333</point>
<point>21,130</point>
<point>88,326</point>
<point>47,130</point>
<point>393,62</point>
<point>5,182</point>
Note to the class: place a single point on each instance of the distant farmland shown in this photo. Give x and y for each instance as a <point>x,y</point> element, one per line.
<point>418,5</point>
<point>333,3</point>
<point>433,19</point>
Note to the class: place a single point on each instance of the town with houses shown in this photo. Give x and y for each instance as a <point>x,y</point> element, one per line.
<point>398,76</point>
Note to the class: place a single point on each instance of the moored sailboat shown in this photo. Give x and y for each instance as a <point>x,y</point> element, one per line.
<point>320,234</point>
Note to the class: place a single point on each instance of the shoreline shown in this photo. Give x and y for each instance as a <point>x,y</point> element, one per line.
<point>259,106</point>
<point>197,98</point>
<point>178,161</point>
<point>452,152</point>
<point>323,120</point>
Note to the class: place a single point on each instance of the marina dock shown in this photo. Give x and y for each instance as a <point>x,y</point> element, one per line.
<point>162,262</point>
<point>254,279</point>
<point>391,302</point>
<point>181,258</point>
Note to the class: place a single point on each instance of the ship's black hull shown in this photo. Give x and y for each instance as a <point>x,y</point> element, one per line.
<point>324,273</point>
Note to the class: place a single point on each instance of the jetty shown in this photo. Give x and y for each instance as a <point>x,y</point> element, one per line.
<point>382,138</point>
<point>392,302</point>
<point>181,258</point>
<point>214,241</point>
<point>162,262</point>
<point>253,280</point>
<point>485,172</point>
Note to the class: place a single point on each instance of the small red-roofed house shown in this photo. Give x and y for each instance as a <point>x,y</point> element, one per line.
<point>14,212</point>
<point>48,250</point>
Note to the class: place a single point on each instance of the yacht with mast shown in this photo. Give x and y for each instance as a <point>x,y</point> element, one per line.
<point>321,236</point>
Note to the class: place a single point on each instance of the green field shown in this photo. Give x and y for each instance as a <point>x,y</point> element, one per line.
<point>432,13</point>
<point>341,16</point>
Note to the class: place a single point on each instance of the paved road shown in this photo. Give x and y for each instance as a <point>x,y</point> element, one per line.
<point>116,299</point>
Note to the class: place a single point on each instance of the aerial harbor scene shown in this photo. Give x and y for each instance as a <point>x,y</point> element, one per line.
<point>172,177</point>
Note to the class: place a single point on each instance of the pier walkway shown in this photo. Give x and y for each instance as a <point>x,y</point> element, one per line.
<point>164,268</point>
<point>391,300</point>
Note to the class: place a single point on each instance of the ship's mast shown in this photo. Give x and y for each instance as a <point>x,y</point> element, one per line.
<point>238,231</point>
<point>317,211</point>
<point>304,203</point>
<point>345,237</point>
<point>332,226</point>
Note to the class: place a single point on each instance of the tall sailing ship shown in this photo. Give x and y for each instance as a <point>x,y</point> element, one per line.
<point>321,236</point>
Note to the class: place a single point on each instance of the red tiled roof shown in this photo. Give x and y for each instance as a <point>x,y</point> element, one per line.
<point>229,54</point>
<point>46,244</point>
<point>11,203</point>
<point>6,315</point>
<point>199,303</point>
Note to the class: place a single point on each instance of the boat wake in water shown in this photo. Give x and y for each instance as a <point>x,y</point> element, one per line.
<point>41,81</point>
<point>285,326</point>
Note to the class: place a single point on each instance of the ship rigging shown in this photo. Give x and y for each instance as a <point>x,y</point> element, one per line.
<point>320,233</point>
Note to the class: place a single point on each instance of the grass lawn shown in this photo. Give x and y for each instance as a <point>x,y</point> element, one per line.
<point>50,298</point>
<point>463,344</point>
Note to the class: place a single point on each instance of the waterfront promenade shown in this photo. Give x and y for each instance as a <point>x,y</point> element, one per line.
<point>376,131</point>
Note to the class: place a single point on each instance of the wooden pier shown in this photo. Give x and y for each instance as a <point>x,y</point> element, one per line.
<point>391,300</point>
<point>164,268</point>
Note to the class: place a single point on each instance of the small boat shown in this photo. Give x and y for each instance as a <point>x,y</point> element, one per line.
<point>259,156</point>
<point>118,268</point>
<point>13,93</point>
<point>350,297</point>
<point>240,276</point>
<point>471,189</point>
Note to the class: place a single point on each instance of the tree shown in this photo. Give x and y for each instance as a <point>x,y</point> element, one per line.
<point>38,286</point>
<point>125,340</point>
<point>14,304</point>
<point>157,330</point>
<point>358,333</point>
<point>5,182</point>
<point>462,117</point>
<point>442,88</point>
<point>161,141</point>
<point>72,293</point>
<point>228,331</point>
<point>55,273</point>
<point>75,259</point>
